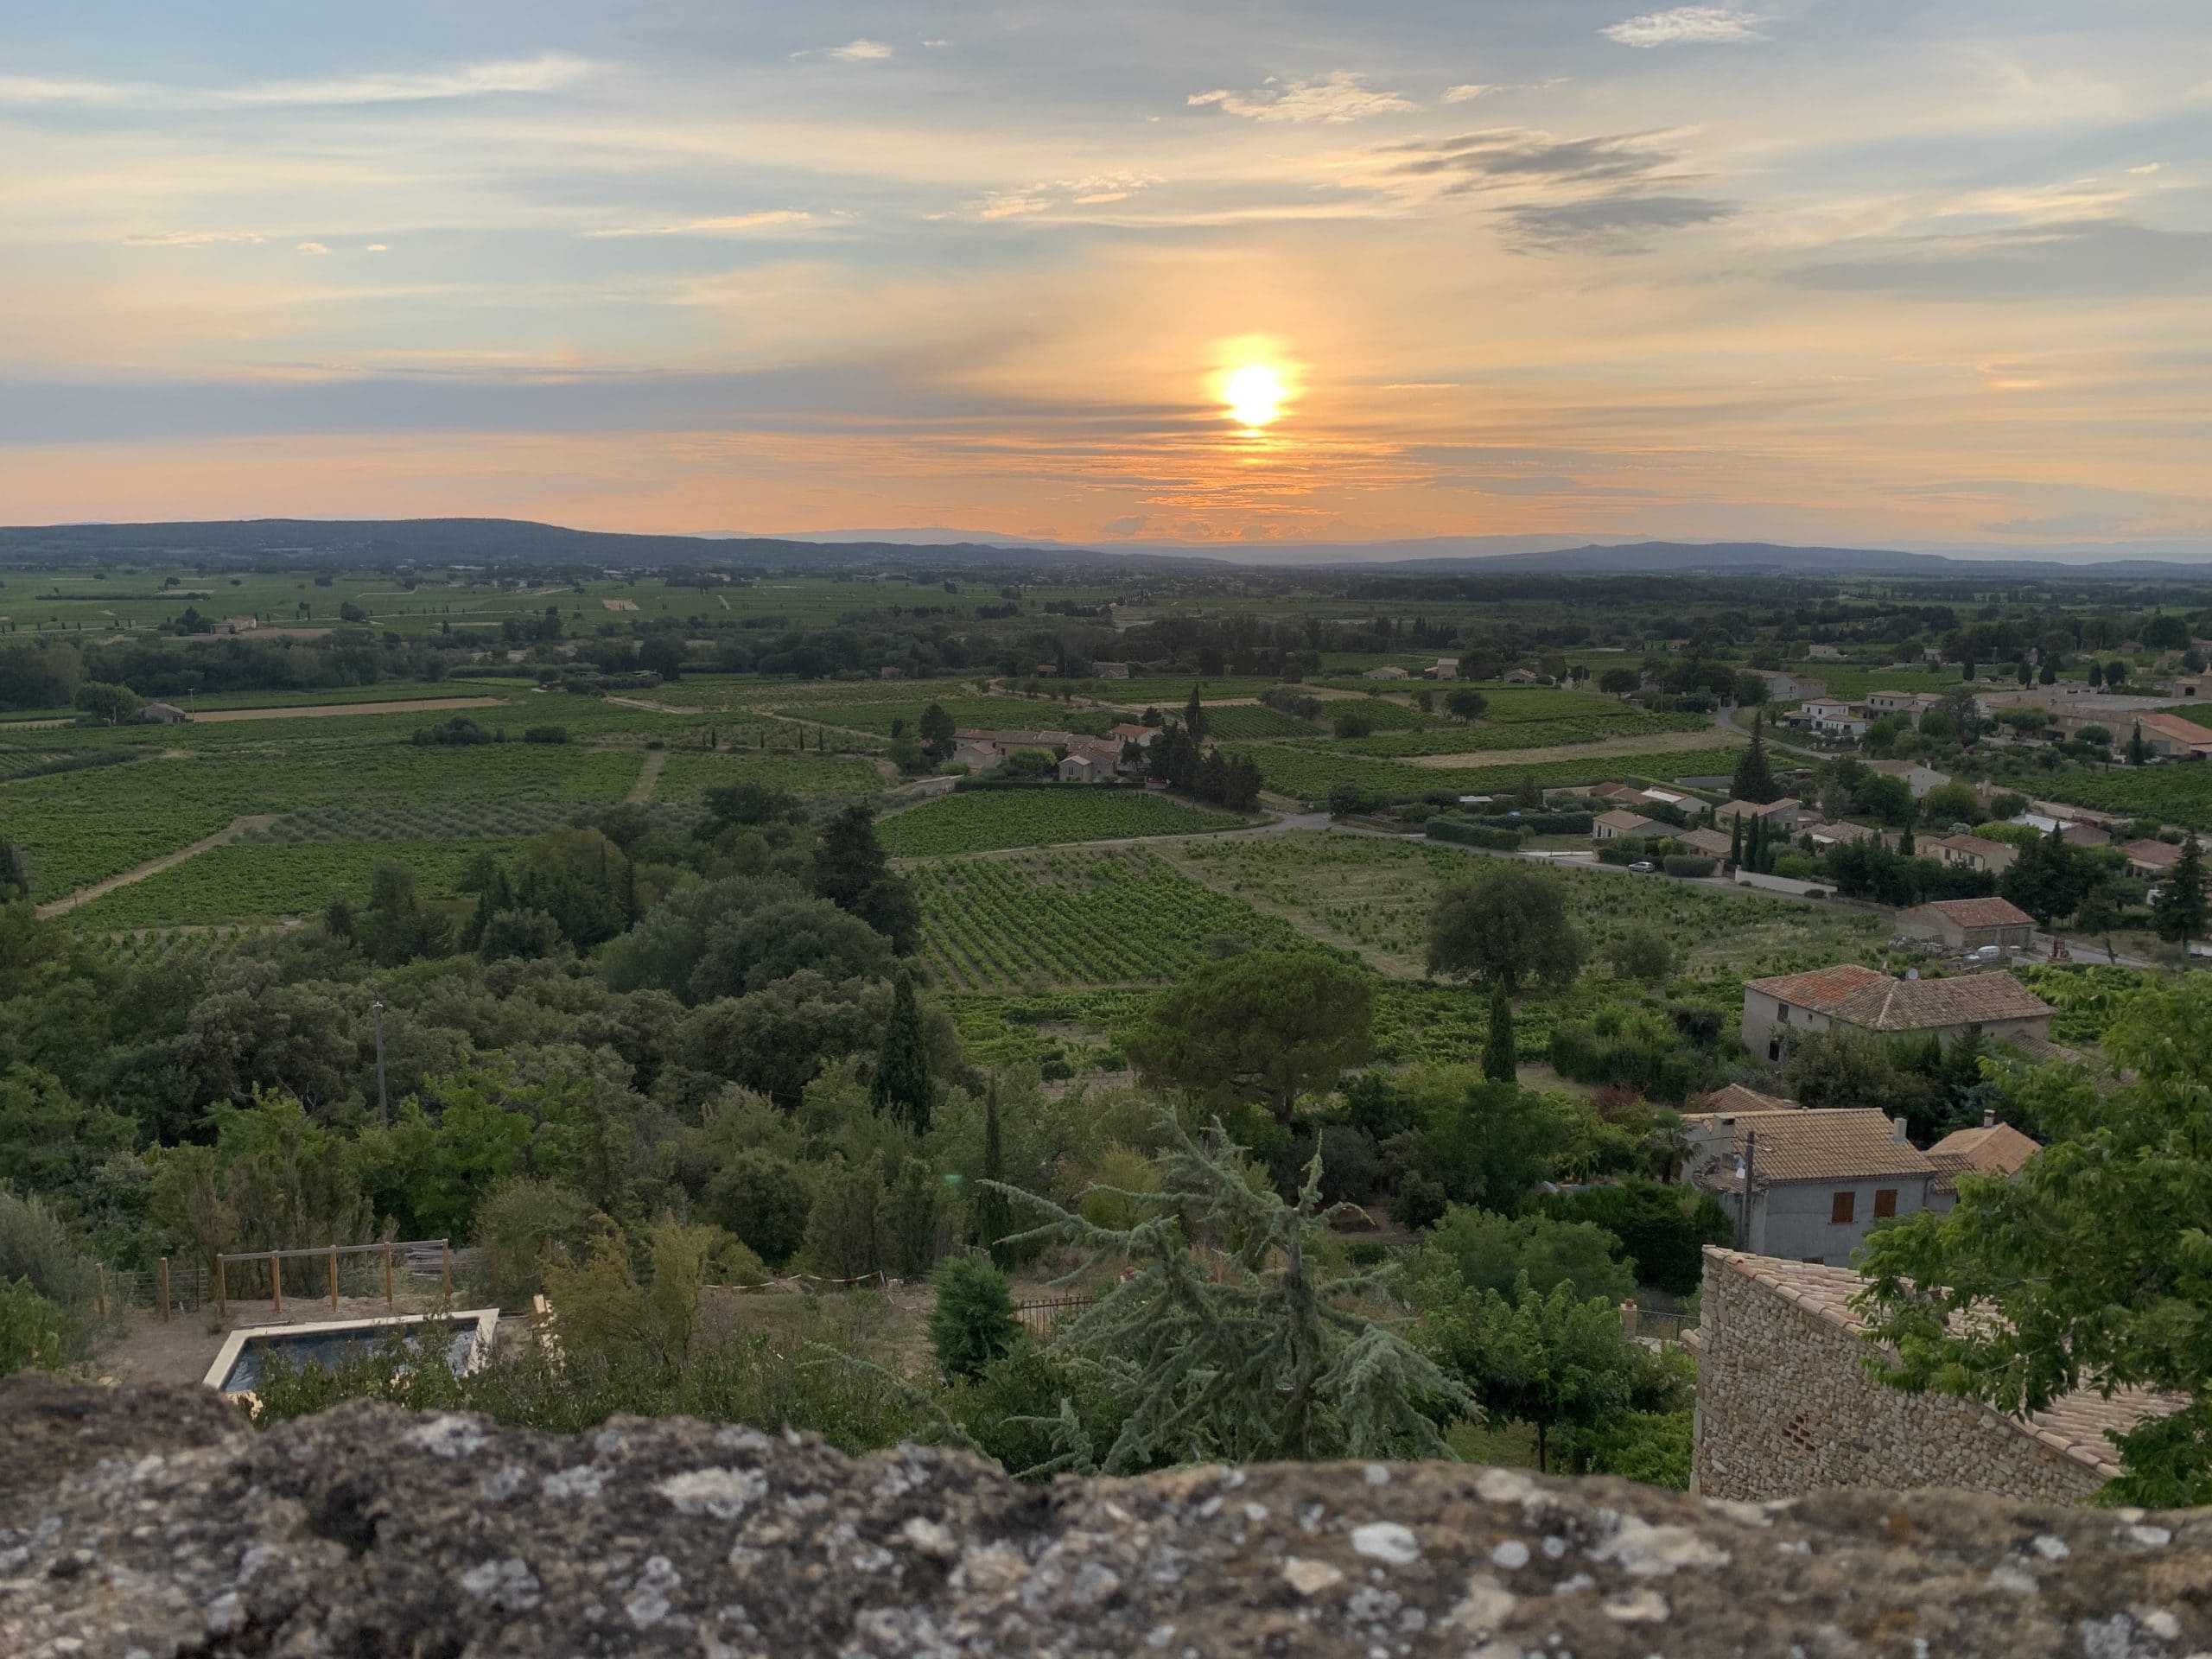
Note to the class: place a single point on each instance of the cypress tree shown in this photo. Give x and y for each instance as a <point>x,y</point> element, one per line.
<point>902,1084</point>
<point>1194,717</point>
<point>1501,1057</point>
<point>1754,779</point>
<point>1735,839</point>
<point>2181,914</point>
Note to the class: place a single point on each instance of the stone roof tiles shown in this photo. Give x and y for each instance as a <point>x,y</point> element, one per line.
<point>1857,995</point>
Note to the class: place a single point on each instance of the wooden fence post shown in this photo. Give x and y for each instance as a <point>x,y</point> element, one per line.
<point>387,1274</point>
<point>445,1270</point>
<point>165,1290</point>
<point>222,1289</point>
<point>334,1278</point>
<point>276,1282</point>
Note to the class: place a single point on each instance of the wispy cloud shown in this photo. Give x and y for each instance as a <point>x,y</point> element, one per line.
<point>862,50</point>
<point>723,224</point>
<point>316,248</point>
<point>191,238</point>
<point>1470,91</point>
<point>548,72</point>
<point>1687,26</point>
<point>1094,190</point>
<point>1501,156</point>
<point>1617,221</point>
<point>1338,95</point>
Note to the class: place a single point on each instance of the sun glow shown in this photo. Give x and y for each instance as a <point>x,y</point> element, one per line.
<point>1254,394</point>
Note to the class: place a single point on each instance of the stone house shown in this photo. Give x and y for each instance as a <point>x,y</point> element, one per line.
<point>2169,737</point>
<point>1969,851</point>
<point>1612,826</point>
<point>1447,668</point>
<point>1090,765</point>
<point>238,625</point>
<point>1520,676</point>
<point>1833,717</point>
<point>2151,859</point>
<point>1859,998</point>
<point>1842,833</point>
<point>160,713</point>
<point>1785,1405</point>
<point>1823,654</point>
<point>1779,814</point>
<point>890,671</point>
<point>1808,1183</point>
<point>1781,686</point>
<point>1713,843</point>
<point>1993,1149</point>
<point>1919,777</point>
<point>1388,673</point>
<point>1109,671</point>
<point>1969,923</point>
<point>1905,705</point>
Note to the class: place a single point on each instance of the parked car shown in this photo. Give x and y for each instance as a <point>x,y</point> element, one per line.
<point>1642,867</point>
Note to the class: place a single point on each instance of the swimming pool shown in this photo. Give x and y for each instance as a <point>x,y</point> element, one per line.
<point>238,1367</point>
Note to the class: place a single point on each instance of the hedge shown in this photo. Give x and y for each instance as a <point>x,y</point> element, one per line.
<point>1688,864</point>
<point>1466,833</point>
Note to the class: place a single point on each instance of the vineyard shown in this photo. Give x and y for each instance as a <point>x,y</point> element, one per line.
<point>1309,773</point>
<point>690,774</point>
<point>1250,720</point>
<point>1019,714</point>
<point>1374,896</point>
<point>1076,918</point>
<point>1520,733</point>
<point>982,820</point>
<point>243,881</point>
<point>2177,794</point>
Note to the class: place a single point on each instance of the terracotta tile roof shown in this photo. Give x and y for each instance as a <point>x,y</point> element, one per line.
<point>2174,726</point>
<point>1999,1149</point>
<point>2078,1426</point>
<point>1734,1097</point>
<point>1709,842</point>
<point>1857,995</point>
<point>1755,809</point>
<point>1982,912</point>
<point>1980,846</point>
<point>1630,823</point>
<point>1804,1143</point>
<point>2159,854</point>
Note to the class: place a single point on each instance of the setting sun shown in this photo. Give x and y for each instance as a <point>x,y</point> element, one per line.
<point>1254,394</point>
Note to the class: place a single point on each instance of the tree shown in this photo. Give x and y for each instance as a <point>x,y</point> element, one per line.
<point>974,1321</point>
<point>901,1086</point>
<point>1466,704</point>
<point>1662,1228</point>
<point>1642,953</point>
<point>2089,1267</point>
<point>1195,720</point>
<point>1492,1252</point>
<point>994,1219</point>
<point>1501,1051</point>
<point>2139,752</point>
<point>1556,1361</point>
<point>15,880</point>
<point>1618,682</point>
<point>1263,1026</point>
<point>851,871</point>
<point>2181,914</point>
<point>764,1200</point>
<point>1949,803</point>
<point>1750,688</point>
<point>1754,779</point>
<point>1244,1354</point>
<point>110,704</point>
<point>1505,929</point>
<point>844,1237</point>
<point>2049,877</point>
<point>2101,910</point>
<point>937,733</point>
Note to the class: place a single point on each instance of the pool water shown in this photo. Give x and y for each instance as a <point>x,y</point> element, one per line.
<point>334,1348</point>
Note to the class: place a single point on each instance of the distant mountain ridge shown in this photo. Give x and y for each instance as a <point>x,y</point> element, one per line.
<point>474,540</point>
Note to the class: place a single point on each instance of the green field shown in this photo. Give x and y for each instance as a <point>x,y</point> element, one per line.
<point>1506,735</point>
<point>1048,919</point>
<point>246,880</point>
<point>983,820</point>
<point>1017,714</point>
<point>2177,794</point>
<point>690,774</point>
<point>1309,773</point>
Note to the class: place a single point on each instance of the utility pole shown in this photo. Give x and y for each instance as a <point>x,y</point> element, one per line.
<point>1751,1169</point>
<point>384,1106</point>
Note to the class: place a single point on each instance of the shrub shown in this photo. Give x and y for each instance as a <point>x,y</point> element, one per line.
<point>1351,1167</point>
<point>844,1239</point>
<point>1688,864</point>
<point>974,1322</point>
<point>1662,1229</point>
<point>545,734</point>
<point>34,1334</point>
<point>1642,953</point>
<point>524,1222</point>
<point>35,1248</point>
<point>1468,833</point>
<point>763,1199</point>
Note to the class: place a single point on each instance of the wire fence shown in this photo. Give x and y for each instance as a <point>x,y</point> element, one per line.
<point>1040,1317</point>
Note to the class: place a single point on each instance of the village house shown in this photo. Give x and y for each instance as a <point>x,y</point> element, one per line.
<point>1917,777</point>
<point>1833,717</point>
<point>1520,676</point>
<point>1993,1149</point>
<point>1616,824</point>
<point>1447,668</point>
<point>1089,760</point>
<point>2168,737</point>
<point>1969,853</point>
<point>238,625</point>
<point>1969,923</point>
<point>1803,1182</point>
<point>889,672</point>
<point>1713,843</point>
<point>1778,815</point>
<point>1129,731</point>
<point>1858,998</point>
<point>1822,654</point>
<point>1903,705</point>
<point>1388,672</point>
<point>2151,859</point>
<point>1109,671</point>
<point>1786,1404</point>
<point>159,713</point>
<point>1842,833</point>
<point>1781,686</point>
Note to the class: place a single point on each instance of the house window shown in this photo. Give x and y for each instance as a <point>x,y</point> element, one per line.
<point>1885,1203</point>
<point>1781,1012</point>
<point>1843,1209</point>
<point>1774,1048</point>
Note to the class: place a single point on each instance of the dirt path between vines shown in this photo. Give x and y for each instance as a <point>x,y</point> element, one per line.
<point>222,837</point>
<point>313,711</point>
<point>648,778</point>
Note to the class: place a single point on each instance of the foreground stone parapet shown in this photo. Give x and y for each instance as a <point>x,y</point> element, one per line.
<point>131,1524</point>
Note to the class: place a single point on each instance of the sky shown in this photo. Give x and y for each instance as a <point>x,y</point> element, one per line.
<point>1899,273</point>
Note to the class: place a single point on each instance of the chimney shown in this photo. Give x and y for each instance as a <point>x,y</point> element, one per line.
<point>1897,1130</point>
<point>1989,1117</point>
